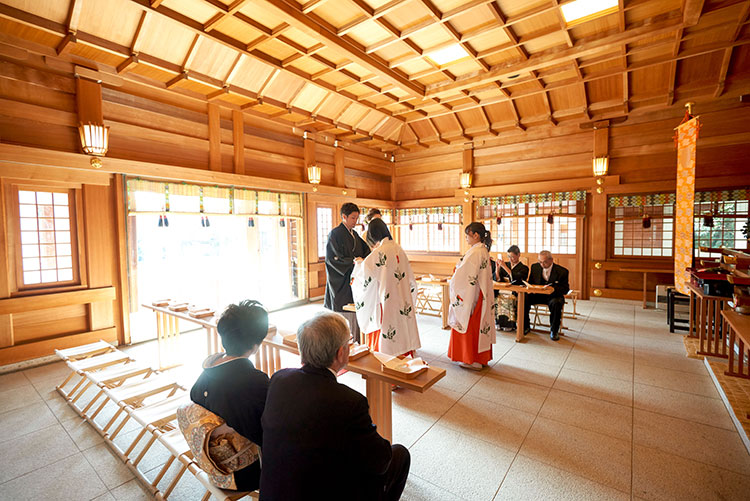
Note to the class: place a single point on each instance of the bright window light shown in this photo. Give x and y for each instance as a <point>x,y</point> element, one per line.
<point>448,54</point>
<point>584,10</point>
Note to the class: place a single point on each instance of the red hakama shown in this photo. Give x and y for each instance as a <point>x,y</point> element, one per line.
<point>464,347</point>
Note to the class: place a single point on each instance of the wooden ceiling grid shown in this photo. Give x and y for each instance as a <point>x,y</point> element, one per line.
<point>361,69</point>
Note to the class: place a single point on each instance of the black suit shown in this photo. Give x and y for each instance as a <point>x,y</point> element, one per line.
<point>558,278</point>
<point>320,443</point>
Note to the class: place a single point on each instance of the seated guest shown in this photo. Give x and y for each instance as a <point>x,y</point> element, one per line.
<point>318,439</point>
<point>231,387</point>
<point>546,272</point>
<point>515,272</point>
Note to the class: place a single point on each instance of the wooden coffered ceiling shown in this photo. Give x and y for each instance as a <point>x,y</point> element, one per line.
<point>362,70</point>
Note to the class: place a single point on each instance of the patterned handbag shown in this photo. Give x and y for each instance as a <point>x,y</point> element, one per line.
<point>219,456</point>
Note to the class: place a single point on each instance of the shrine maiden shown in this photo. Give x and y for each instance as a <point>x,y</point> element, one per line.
<point>385,293</point>
<point>471,313</point>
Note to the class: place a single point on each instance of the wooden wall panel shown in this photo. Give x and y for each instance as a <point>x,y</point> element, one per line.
<point>101,250</point>
<point>51,322</point>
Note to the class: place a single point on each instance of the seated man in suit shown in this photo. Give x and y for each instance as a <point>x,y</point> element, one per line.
<point>318,439</point>
<point>546,272</point>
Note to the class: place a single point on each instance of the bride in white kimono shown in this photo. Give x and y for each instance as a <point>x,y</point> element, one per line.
<point>471,313</point>
<point>385,293</point>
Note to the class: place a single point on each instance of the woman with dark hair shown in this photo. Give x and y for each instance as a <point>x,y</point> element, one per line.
<point>385,293</point>
<point>471,313</point>
<point>515,272</point>
<point>231,387</point>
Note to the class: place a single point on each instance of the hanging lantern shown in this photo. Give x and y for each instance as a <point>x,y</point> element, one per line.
<point>208,223</point>
<point>411,226</point>
<point>94,138</point>
<point>282,222</point>
<point>161,220</point>
<point>646,221</point>
<point>708,221</point>
<point>250,222</point>
<point>203,221</point>
<point>498,220</point>
<point>166,221</point>
<point>440,226</point>
<point>550,218</point>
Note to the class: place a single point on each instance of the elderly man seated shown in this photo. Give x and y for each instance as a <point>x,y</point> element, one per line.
<point>318,439</point>
<point>546,272</point>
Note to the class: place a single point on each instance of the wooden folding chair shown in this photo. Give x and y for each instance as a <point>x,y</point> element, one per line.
<point>80,353</point>
<point>92,364</point>
<point>113,377</point>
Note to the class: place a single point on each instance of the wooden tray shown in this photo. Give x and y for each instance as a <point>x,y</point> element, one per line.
<point>405,375</point>
<point>290,340</point>
<point>362,350</point>
<point>178,307</point>
<point>160,302</point>
<point>201,313</point>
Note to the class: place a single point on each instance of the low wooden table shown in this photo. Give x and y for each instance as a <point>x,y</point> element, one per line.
<point>444,299</point>
<point>522,291</point>
<point>739,334</point>
<point>645,272</point>
<point>378,384</point>
<point>706,323</point>
<point>167,326</point>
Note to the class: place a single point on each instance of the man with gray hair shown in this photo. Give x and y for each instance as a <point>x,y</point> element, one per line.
<point>319,441</point>
<point>546,272</point>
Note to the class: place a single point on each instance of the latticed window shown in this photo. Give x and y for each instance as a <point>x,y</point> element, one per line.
<point>642,225</point>
<point>324,216</point>
<point>47,238</point>
<point>430,229</point>
<point>719,218</point>
<point>524,220</point>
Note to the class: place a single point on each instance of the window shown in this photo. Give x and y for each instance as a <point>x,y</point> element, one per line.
<point>212,246</point>
<point>523,220</point>
<point>629,237</point>
<point>46,247</point>
<point>324,216</point>
<point>433,229</point>
<point>728,212</point>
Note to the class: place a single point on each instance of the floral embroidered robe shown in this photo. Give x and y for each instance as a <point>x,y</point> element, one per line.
<point>473,274</point>
<point>385,293</point>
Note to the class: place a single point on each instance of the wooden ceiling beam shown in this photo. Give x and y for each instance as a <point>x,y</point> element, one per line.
<point>370,14</point>
<point>692,10</point>
<point>66,43</point>
<point>584,96</point>
<point>723,72</point>
<point>74,15</point>
<point>310,23</point>
<point>224,12</point>
<point>552,57</point>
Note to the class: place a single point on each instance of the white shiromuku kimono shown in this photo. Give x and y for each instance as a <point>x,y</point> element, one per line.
<point>473,274</point>
<point>385,293</point>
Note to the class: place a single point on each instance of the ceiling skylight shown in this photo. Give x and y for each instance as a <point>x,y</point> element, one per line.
<point>448,54</point>
<point>579,11</point>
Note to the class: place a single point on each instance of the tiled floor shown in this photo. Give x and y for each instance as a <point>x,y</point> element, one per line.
<point>613,411</point>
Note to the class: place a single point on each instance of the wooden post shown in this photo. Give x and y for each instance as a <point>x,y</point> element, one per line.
<point>238,140</point>
<point>338,167</point>
<point>214,137</point>
<point>599,222</point>
<point>89,101</point>
<point>309,152</point>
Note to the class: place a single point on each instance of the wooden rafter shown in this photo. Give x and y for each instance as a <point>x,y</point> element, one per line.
<point>723,71</point>
<point>224,12</point>
<point>649,28</point>
<point>584,96</point>
<point>624,50</point>
<point>74,15</point>
<point>673,67</point>
<point>370,14</point>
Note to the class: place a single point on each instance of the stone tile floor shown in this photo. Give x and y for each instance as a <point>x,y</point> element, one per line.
<point>614,410</point>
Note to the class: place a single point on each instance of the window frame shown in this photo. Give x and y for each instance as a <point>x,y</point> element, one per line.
<point>318,236</point>
<point>15,255</point>
<point>611,221</point>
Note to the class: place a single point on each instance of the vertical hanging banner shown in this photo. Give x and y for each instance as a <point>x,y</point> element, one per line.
<point>686,138</point>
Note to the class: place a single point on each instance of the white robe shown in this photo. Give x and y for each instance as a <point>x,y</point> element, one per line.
<point>385,280</point>
<point>473,273</point>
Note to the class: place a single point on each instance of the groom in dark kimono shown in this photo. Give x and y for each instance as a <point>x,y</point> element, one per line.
<point>344,245</point>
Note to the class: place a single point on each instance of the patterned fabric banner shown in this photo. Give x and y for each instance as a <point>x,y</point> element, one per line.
<point>687,138</point>
<point>721,196</point>
<point>641,200</point>
<point>562,196</point>
<point>457,209</point>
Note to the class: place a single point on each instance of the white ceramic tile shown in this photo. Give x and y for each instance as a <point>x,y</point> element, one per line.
<point>682,405</point>
<point>524,370</point>
<point>18,397</point>
<point>34,450</point>
<point>49,371</point>
<point>459,463</point>
<point>596,365</point>
<point>429,405</point>
<point>531,480</point>
<point>13,380</point>
<point>70,479</point>
<point>658,475</point>
<point>491,422</point>
<point>418,489</point>
<point>598,457</point>
<point>82,433</point>
<point>110,468</point>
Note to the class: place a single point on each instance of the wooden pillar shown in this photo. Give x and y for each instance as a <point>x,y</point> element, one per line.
<point>468,159</point>
<point>598,222</point>
<point>338,167</point>
<point>6,321</point>
<point>393,179</point>
<point>309,152</point>
<point>100,251</point>
<point>214,137</point>
<point>89,101</point>
<point>238,140</point>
